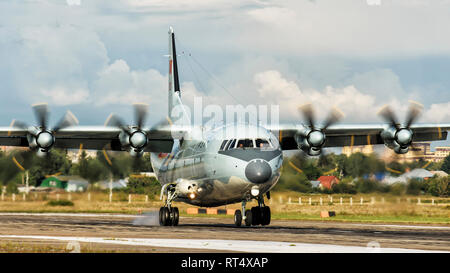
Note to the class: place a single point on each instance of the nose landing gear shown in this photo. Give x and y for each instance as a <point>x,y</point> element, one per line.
<point>259,215</point>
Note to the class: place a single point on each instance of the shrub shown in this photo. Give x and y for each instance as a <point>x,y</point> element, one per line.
<point>415,187</point>
<point>398,188</point>
<point>143,185</point>
<point>439,186</point>
<point>294,182</point>
<point>60,203</point>
<point>344,188</point>
<point>366,186</point>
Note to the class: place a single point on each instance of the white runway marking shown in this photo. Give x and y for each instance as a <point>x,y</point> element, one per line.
<point>228,245</point>
<point>69,214</point>
<point>402,226</point>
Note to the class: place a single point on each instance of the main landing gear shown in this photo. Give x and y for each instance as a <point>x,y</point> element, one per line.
<point>168,215</point>
<point>259,215</point>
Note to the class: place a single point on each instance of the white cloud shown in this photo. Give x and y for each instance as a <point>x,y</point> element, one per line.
<point>356,105</point>
<point>59,95</point>
<point>437,113</point>
<point>109,53</point>
<point>274,16</point>
<point>118,84</point>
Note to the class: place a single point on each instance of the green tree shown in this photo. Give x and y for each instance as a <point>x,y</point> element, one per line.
<point>355,165</point>
<point>446,164</point>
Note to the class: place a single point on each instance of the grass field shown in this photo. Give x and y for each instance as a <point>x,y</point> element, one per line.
<point>374,208</point>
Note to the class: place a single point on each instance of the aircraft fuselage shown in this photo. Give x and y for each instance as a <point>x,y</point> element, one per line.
<point>221,166</point>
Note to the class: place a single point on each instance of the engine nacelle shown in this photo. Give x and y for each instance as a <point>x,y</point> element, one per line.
<point>398,140</point>
<point>135,141</point>
<point>310,141</point>
<point>42,140</point>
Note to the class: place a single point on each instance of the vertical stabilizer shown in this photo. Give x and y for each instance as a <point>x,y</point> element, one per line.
<point>174,81</point>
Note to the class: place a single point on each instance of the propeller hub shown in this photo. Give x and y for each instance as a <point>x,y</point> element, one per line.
<point>138,139</point>
<point>403,137</point>
<point>45,139</point>
<point>316,138</point>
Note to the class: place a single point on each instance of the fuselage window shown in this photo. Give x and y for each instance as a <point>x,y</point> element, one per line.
<point>262,143</point>
<point>222,147</point>
<point>245,143</point>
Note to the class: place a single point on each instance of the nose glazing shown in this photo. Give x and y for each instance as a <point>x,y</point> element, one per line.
<point>258,171</point>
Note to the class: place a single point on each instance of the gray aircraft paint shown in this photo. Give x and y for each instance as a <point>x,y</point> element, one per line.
<point>217,178</point>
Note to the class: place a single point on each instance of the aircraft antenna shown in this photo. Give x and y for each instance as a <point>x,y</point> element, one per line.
<point>211,75</point>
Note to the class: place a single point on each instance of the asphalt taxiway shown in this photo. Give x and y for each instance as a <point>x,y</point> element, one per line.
<point>131,233</point>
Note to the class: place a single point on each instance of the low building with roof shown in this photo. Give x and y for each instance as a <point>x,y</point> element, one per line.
<point>420,174</point>
<point>315,184</point>
<point>439,173</point>
<point>327,181</point>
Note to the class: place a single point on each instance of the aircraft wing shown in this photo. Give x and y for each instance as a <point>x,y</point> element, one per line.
<point>358,134</point>
<point>92,138</point>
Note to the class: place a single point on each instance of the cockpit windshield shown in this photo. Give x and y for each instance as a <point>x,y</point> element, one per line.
<point>245,143</point>
<point>258,143</point>
<point>262,143</point>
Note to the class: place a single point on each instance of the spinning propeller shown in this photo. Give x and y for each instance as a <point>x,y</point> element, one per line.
<point>399,136</point>
<point>132,137</point>
<point>312,138</point>
<point>41,137</point>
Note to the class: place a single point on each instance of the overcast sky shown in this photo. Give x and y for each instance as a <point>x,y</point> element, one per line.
<point>96,57</point>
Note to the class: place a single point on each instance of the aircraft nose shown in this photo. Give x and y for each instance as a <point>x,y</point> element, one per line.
<point>258,171</point>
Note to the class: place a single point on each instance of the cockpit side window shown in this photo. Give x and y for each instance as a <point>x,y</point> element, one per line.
<point>245,143</point>
<point>231,144</point>
<point>222,147</point>
<point>262,143</point>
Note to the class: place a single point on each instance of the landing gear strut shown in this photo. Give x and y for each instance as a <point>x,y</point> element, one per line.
<point>259,215</point>
<point>168,215</point>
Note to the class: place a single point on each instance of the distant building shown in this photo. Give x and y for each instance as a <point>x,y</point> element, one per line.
<point>365,149</point>
<point>24,189</point>
<point>315,184</point>
<point>74,155</point>
<point>67,183</point>
<point>441,153</point>
<point>7,149</point>
<point>76,184</point>
<point>420,174</point>
<point>327,181</point>
<point>119,184</point>
<point>422,150</point>
<point>148,174</point>
<point>439,173</point>
<point>53,183</point>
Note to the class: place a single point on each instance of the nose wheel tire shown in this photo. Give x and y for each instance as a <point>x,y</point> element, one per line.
<point>256,216</point>
<point>259,216</point>
<point>238,218</point>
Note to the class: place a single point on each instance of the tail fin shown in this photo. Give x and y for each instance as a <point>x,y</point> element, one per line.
<point>174,81</point>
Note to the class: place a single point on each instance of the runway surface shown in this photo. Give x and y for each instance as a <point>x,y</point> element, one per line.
<point>127,233</point>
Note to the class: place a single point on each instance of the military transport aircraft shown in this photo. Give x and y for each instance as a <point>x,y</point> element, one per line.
<point>216,166</point>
